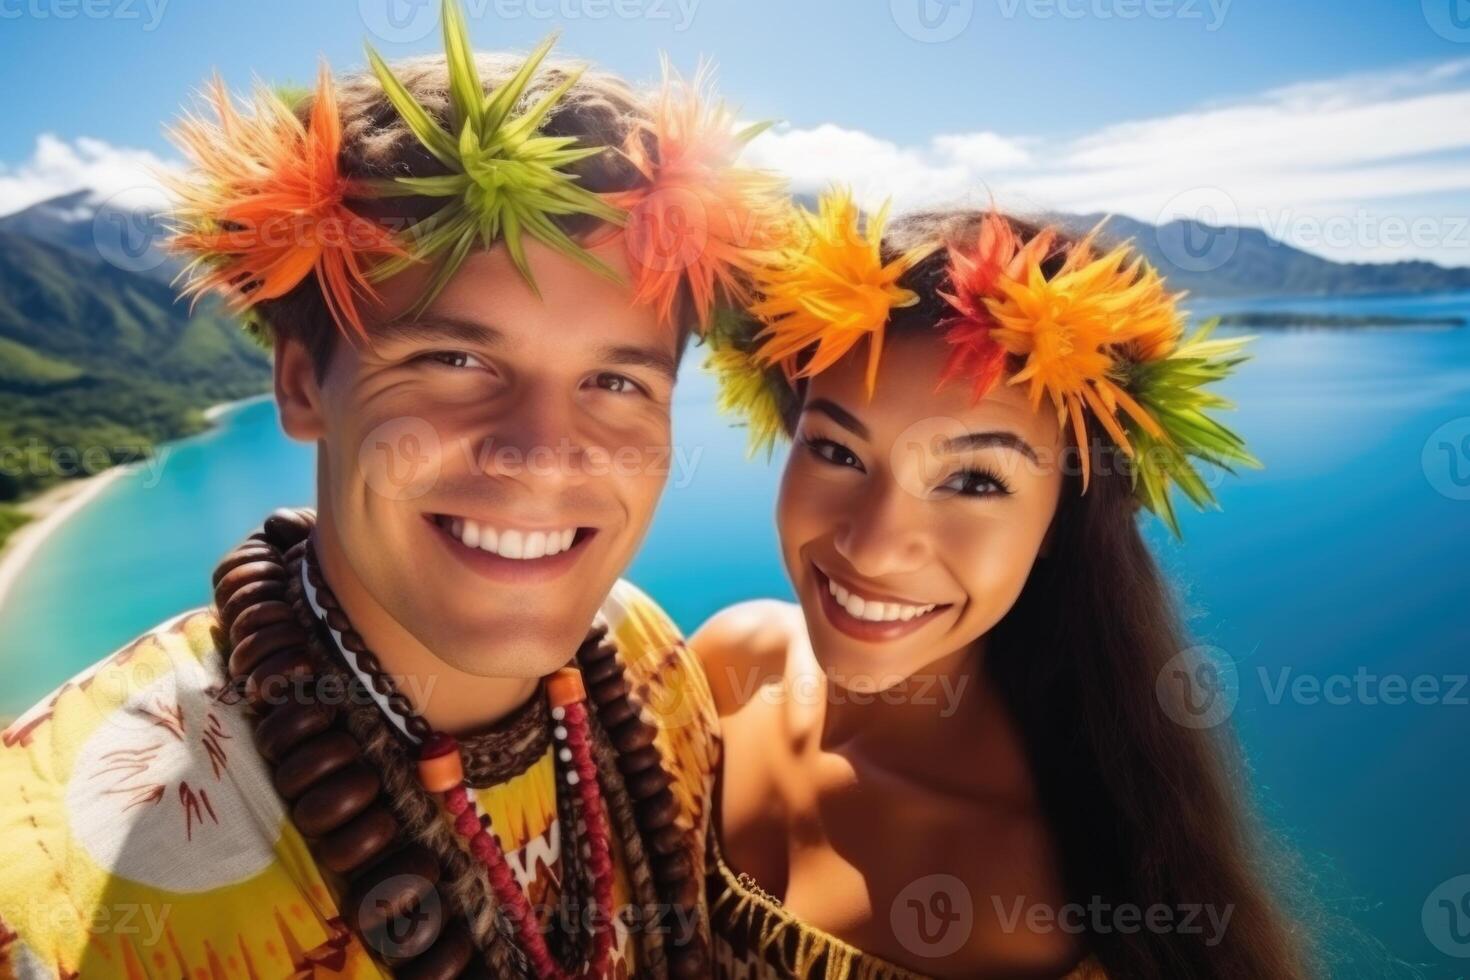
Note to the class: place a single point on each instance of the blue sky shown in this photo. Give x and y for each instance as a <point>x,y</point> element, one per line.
<point>1054,102</point>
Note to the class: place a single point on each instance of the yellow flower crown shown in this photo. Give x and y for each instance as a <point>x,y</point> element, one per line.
<point>1101,337</point>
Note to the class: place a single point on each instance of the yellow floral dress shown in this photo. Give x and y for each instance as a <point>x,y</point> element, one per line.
<point>143,838</point>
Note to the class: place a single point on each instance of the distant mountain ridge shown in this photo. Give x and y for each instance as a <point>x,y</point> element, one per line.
<point>99,363</point>
<point>1232,261</point>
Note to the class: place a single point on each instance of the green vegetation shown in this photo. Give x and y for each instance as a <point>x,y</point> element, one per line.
<point>99,365</point>
<point>10,519</point>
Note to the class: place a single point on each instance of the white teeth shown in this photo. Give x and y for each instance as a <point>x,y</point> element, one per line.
<point>872,610</point>
<point>512,543</point>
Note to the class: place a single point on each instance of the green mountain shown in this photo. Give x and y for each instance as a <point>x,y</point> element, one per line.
<point>99,364</point>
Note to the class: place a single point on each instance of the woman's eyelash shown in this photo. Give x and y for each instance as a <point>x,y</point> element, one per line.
<point>832,451</point>
<point>981,476</point>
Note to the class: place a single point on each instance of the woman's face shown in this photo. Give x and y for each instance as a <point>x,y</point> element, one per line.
<point>910,521</point>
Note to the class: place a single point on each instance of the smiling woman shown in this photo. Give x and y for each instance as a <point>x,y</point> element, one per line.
<point>978,539</point>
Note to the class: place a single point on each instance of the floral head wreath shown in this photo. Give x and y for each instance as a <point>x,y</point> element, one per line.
<point>1100,338</point>
<point>264,203</point>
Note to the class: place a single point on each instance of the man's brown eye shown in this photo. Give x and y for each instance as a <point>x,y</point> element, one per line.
<point>618,383</point>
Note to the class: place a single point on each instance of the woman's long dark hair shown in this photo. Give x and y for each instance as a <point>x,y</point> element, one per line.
<point>1144,811</point>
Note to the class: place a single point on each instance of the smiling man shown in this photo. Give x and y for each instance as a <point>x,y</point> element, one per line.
<point>425,730</point>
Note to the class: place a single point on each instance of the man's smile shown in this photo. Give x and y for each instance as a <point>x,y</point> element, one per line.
<point>506,552</point>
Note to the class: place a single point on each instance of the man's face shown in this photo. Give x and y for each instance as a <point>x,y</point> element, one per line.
<point>489,468</point>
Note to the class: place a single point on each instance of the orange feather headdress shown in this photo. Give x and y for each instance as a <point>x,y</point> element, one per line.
<point>264,206</point>
<point>700,221</point>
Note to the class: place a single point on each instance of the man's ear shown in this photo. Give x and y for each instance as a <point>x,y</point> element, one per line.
<point>298,393</point>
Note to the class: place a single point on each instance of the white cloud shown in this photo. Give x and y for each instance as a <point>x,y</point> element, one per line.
<point>59,166</point>
<point>1346,148</point>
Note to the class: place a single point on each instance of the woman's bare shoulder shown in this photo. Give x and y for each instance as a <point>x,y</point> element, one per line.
<point>744,647</point>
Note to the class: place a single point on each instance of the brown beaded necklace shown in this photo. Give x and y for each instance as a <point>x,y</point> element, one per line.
<point>352,792</point>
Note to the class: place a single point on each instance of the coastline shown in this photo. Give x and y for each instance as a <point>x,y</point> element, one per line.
<point>51,508</point>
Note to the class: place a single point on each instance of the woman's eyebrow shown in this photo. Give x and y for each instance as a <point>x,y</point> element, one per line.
<point>838,414</point>
<point>987,440</point>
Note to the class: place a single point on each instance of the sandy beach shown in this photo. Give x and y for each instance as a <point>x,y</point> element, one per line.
<point>48,511</point>
<point>51,509</point>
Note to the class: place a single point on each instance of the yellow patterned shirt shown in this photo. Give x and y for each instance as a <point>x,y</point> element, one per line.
<point>142,836</point>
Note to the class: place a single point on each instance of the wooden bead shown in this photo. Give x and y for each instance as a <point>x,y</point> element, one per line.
<point>688,961</point>
<point>644,784</point>
<point>659,810</point>
<point>638,760</point>
<point>277,680</point>
<point>565,687</point>
<point>409,934</point>
<point>359,841</point>
<point>255,551</point>
<point>281,730</point>
<point>632,736</point>
<point>312,761</point>
<point>258,617</point>
<point>674,867</point>
<point>286,527</point>
<point>335,800</point>
<point>253,649</point>
<point>597,652</point>
<point>665,840</point>
<point>242,575</point>
<point>617,713</point>
<point>601,671</point>
<point>247,596</point>
<point>391,887</point>
<point>610,690</point>
<point>445,960</point>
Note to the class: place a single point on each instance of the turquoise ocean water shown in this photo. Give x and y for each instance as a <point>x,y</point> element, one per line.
<point>1345,557</point>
